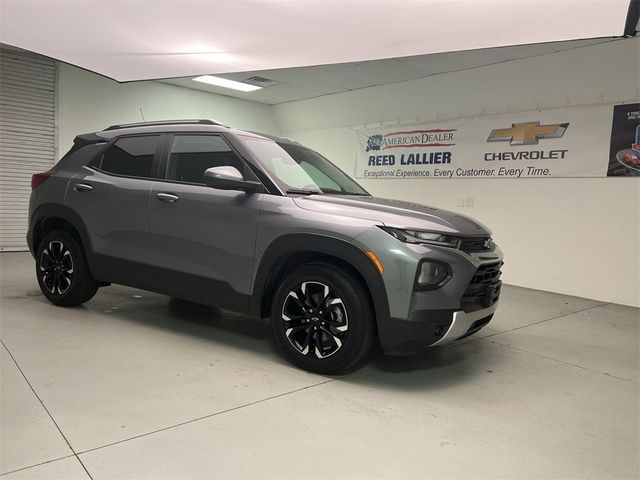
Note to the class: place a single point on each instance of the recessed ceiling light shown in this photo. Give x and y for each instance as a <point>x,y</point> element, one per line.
<point>226,83</point>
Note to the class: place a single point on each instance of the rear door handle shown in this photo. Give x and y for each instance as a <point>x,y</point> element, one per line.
<point>82,187</point>
<point>167,197</point>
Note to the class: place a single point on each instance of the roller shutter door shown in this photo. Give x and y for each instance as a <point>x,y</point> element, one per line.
<point>27,137</point>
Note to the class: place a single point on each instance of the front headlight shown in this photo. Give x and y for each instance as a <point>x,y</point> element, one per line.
<point>419,236</point>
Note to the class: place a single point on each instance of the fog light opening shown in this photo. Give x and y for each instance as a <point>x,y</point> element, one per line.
<point>432,274</point>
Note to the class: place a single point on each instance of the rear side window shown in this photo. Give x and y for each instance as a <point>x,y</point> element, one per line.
<point>191,155</point>
<point>80,155</point>
<point>131,156</point>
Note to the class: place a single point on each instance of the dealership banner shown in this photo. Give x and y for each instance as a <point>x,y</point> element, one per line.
<point>590,141</point>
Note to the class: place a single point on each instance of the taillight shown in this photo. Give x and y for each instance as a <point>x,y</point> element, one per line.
<point>38,178</point>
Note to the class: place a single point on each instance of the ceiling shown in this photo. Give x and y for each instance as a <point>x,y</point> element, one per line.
<point>290,84</point>
<point>137,40</point>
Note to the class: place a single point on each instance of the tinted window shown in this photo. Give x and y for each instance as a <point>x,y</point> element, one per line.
<point>131,156</point>
<point>191,155</point>
<point>80,155</point>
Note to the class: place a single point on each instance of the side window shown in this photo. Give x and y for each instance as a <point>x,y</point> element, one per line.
<point>131,156</point>
<point>191,155</point>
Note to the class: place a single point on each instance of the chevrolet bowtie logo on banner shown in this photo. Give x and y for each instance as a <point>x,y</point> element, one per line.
<point>527,133</point>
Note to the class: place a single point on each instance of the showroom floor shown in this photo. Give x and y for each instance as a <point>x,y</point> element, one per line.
<point>135,385</point>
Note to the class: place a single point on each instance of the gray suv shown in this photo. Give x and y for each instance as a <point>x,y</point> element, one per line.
<point>262,225</point>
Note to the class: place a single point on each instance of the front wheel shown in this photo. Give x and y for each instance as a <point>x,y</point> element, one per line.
<point>322,319</point>
<point>62,270</point>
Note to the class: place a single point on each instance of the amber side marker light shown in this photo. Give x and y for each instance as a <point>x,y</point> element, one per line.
<point>374,258</point>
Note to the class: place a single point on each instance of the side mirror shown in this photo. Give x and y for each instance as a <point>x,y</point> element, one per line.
<point>229,178</point>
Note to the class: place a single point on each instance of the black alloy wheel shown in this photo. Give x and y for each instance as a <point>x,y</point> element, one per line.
<point>56,267</point>
<point>315,319</point>
<point>62,270</point>
<point>322,318</point>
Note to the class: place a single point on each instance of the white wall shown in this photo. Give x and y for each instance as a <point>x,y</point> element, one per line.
<point>88,102</point>
<point>571,235</point>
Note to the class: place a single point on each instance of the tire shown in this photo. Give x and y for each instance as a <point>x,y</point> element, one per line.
<point>62,270</point>
<point>335,333</point>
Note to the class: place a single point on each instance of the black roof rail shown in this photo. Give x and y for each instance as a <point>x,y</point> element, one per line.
<point>199,121</point>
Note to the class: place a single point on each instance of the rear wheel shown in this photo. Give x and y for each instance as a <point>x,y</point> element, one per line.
<point>322,319</point>
<point>62,271</point>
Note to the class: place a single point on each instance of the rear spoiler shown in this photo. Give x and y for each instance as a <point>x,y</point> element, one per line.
<point>84,140</point>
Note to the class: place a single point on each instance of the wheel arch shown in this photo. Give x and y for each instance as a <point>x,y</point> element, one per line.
<point>49,217</point>
<point>292,250</point>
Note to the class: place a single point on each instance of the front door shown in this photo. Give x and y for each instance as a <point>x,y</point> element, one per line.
<point>201,238</point>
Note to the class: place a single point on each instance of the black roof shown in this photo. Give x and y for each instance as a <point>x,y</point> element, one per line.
<point>169,126</point>
<point>162,126</point>
<point>190,121</point>
<point>276,138</point>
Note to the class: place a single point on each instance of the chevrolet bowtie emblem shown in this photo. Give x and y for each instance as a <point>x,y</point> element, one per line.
<point>527,133</point>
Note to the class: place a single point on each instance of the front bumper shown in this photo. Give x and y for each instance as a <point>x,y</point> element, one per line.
<point>465,324</point>
<point>420,318</point>
<point>428,328</point>
<point>460,308</point>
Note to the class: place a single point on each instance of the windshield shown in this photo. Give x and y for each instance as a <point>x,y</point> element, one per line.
<point>298,169</point>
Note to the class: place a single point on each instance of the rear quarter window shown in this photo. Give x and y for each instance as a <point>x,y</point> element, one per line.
<point>80,156</point>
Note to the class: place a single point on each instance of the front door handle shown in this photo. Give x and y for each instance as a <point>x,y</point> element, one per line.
<point>167,197</point>
<point>82,187</point>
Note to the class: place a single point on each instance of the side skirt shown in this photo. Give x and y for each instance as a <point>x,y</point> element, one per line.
<point>189,287</point>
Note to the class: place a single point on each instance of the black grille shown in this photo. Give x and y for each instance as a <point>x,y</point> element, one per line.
<point>484,289</point>
<point>476,244</point>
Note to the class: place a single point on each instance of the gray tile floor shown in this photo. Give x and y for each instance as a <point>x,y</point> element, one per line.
<point>135,385</point>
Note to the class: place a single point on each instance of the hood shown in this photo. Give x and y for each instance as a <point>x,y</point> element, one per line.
<point>393,213</point>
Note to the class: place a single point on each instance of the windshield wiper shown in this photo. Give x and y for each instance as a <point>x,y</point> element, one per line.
<point>302,191</point>
<point>344,192</point>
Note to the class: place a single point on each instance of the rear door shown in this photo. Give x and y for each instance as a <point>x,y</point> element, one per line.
<point>112,198</point>
<point>203,238</point>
